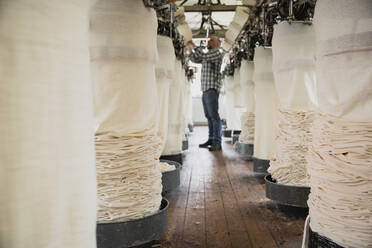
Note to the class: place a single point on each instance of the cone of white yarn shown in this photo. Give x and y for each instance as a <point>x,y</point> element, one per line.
<point>294,72</point>
<point>238,91</point>
<point>184,104</point>
<point>164,77</point>
<point>185,30</point>
<point>241,15</point>
<point>47,173</point>
<point>232,114</point>
<point>340,202</point>
<point>125,100</point>
<point>266,102</point>
<point>189,105</point>
<point>247,86</point>
<point>173,144</point>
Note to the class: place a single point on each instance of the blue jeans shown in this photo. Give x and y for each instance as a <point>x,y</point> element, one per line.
<point>210,105</point>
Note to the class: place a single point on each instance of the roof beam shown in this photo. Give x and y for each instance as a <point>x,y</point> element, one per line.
<point>213,8</point>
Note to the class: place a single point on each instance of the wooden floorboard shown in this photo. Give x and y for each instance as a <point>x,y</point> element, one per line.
<point>221,203</point>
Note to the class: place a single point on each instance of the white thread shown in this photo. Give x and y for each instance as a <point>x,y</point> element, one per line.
<point>247,134</point>
<point>165,167</point>
<point>266,101</point>
<point>125,97</point>
<point>47,175</point>
<point>293,139</point>
<point>340,201</point>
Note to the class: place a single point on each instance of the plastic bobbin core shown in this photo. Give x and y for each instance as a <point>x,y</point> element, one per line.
<point>176,157</point>
<point>260,165</point>
<point>171,179</point>
<point>318,241</point>
<point>288,195</point>
<point>227,133</point>
<point>133,232</point>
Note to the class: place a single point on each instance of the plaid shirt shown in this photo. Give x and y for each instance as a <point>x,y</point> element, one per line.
<point>211,67</point>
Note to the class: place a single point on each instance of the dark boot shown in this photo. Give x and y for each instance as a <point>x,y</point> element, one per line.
<point>206,144</point>
<point>216,146</point>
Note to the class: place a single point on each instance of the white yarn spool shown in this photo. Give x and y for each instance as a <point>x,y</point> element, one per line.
<point>184,104</point>
<point>238,91</point>
<point>189,105</point>
<point>294,65</point>
<point>47,174</point>
<point>124,84</point>
<point>266,101</point>
<point>233,32</point>
<point>222,102</point>
<point>344,47</point>
<point>247,127</point>
<point>247,86</point>
<point>164,77</point>
<point>173,144</point>
<point>232,114</point>
<point>241,16</point>
<point>185,30</point>
<point>294,71</point>
<point>340,172</point>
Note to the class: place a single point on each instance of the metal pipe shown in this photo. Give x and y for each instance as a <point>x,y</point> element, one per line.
<point>171,20</point>
<point>290,11</point>
<point>264,26</point>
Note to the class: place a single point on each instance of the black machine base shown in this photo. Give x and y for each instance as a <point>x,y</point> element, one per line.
<point>260,165</point>
<point>318,241</point>
<point>171,179</point>
<point>286,194</point>
<point>185,145</point>
<point>176,157</point>
<point>245,150</point>
<point>134,232</point>
<point>226,133</point>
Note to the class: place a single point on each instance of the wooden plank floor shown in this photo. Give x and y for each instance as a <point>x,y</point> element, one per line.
<point>221,203</point>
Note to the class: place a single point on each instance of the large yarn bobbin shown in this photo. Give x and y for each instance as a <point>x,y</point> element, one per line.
<point>232,113</point>
<point>173,144</point>
<point>164,77</point>
<point>266,101</point>
<point>238,91</point>
<point>47,173</point>
<point>340,158</point>
<point>247,86</point>
<point>294,72</point>
<point>123,76</point>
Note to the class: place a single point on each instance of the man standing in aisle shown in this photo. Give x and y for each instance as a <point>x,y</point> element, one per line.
<point>210,84</point>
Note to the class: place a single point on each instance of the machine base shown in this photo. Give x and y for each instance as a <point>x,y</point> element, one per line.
<point>133,232</point>
<point>318,241</point>
<point>171,179</point>
<point>260,165</point>
<point>246,150</point>
<point>288,195</point>
<point>176,157</point>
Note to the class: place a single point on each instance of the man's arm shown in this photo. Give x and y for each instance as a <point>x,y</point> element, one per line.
<point>211,56</point>
<point>194,56</point>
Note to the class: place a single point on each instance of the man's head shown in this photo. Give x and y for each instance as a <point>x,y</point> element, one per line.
<point>214,42</point>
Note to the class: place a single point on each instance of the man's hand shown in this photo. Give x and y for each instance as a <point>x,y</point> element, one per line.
<point>190,45</point>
